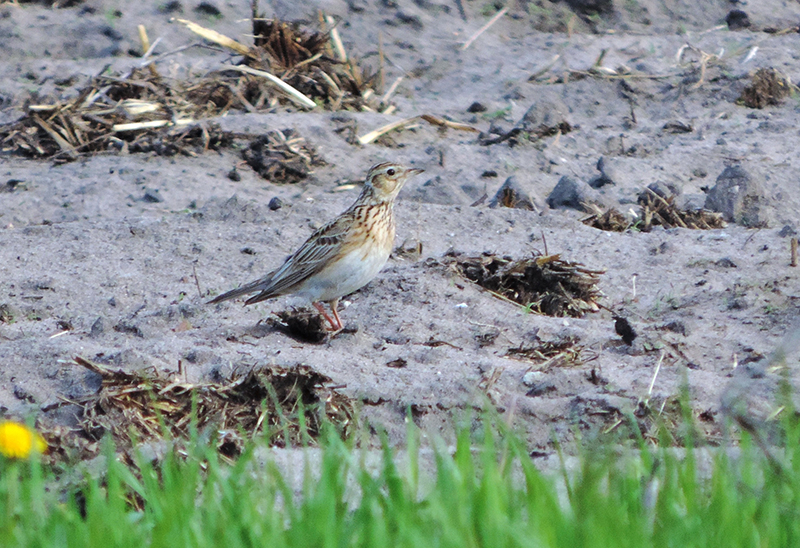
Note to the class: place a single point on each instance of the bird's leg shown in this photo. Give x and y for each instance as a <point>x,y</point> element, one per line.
<point>321,310</point>
<point>334,308</point>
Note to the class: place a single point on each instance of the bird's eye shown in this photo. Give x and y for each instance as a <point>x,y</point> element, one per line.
<point>390,172</point>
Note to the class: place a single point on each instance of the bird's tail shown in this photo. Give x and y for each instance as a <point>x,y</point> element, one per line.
<point>252,287</point>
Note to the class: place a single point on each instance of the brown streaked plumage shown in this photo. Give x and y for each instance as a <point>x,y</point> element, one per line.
<point>342,256</point>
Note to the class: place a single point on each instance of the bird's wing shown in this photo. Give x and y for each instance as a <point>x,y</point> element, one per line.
<point>252,287</point>
<point>312,257</point>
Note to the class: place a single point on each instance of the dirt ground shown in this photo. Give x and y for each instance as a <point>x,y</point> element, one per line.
<point>112,256</point>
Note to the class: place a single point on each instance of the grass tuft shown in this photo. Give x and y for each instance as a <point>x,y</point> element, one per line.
<point>485,494</point>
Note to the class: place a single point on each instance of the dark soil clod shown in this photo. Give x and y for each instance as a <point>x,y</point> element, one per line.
<point>544,284</point>
<point>397,364</point>
<point>302,324</point>
<point>767,87</point>
<point>737,19</point>
<point>282,157</point>
<point>624,329</point>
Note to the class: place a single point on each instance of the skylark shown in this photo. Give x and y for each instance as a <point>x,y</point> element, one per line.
<point>342,256</point>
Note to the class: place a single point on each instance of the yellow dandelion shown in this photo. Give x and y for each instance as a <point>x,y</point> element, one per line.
<point>17,441</point>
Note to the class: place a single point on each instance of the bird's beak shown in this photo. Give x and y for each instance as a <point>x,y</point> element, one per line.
<point>415,171</point>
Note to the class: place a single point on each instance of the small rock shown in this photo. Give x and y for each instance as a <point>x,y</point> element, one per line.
<point>545,117</point>
<point>725,262</point>
<point>129,328</point>
<point>786,231</point>
<point>209,9</point>
<point>170,7</point>
<point>532,377</point>
<point>592,7</point>
<point>600,181</point>
<point>738,303</point>
<point>739,197</point>
<point>275,204</point>
<point>39,284</point>
<point>570,193</point>
<point>402,18</point>
<point>489,174</point>
<point>737,19</point>
<point>611,173</point>
<point>397,363</point>
<point>676,326</point>
<point>512,194</point>
<point>540,389</point>
<point>97,328</point>
<point>487,339</point>
<point>756,370</point>
<point>357,6</point>
<point>513,95</point>
<point>110,32</point>
<point>12,185</point>
<point>22,393</point>
<point>234,175</point>
<point>476,107</point>
<point>677,126</point>
<point>112,301</point>
<point>475,193</point>
<point>152,196</point>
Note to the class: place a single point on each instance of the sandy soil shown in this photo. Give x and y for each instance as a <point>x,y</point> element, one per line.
<point>89,267</point>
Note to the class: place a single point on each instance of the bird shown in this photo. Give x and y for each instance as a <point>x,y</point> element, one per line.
<point>343,255</point>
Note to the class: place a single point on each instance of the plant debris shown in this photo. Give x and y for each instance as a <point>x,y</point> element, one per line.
<point>654,210</point>
<point>610,220</point>
<point>138,113</point>
<point>561,352</point>
<point>282,156</point>
<point>141,111</point>
<point>767,87</point>
<point>662,420</point>
<point>543,284</point>
<point>303,324</point>
<point>497,135</point>
<point>309,66</point>
<point>140,406</point>
<point>305,59</point>
<point>381,132</point>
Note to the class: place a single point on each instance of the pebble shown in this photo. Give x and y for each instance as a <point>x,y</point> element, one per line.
<point>740,197</point>
<point>570,193</point>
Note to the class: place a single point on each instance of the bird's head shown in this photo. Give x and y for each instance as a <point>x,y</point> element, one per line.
<point>385,180</point>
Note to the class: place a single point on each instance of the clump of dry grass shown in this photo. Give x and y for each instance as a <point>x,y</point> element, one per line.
<point>767,87</point>
<point>543,284</point>
<point>140,406</point>
<point>282,156</point>
<point>136,113</point>
<point>143,111</point>
<point>654,210</point>
<point>564,351</point>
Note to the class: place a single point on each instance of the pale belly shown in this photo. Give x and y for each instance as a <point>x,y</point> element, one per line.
<point>350,273</point>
